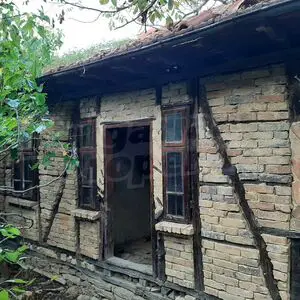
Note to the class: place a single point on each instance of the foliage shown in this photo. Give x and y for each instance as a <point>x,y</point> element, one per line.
<point>26,45</point>
<point>12,286</point>
<point>81,55</point>
<point>145,12</point>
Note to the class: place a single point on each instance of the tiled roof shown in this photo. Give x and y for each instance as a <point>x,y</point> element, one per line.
<point>211,16</point>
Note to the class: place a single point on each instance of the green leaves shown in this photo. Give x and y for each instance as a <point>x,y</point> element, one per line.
<point>11,257</point>
<point>4,295</point>
<point>10,232</point>
<point>40,99</point>
<point>26,47</point>
<point>103,2</point>
<point>13,103</point>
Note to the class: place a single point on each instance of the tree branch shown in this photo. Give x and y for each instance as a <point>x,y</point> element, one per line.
<point>139,15</point>
<point>118,9</point>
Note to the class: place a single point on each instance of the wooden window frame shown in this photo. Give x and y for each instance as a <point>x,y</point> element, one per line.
<point>177,147</point>
<point>23,152</point>
<point>90,150</point>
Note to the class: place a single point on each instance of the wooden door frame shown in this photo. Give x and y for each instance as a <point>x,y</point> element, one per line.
<point>108,241</point>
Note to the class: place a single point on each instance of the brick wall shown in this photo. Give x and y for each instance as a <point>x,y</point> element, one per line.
<point>126,104</point>
<point>251,112</point>
<point>295,145</point>
<point>89,239</point>
<point>179,260</point>
<point>232,271</point>
<point>63,221</point>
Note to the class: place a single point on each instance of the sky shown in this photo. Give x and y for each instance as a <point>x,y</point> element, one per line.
<point>79,28</point>
<point>78,33</point>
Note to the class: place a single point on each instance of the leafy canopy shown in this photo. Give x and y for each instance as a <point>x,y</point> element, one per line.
<point>26,46</point>
<point>144,12</point>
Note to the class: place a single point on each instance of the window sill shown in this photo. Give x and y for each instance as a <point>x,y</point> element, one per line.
<point>171,227</point>
<point>22,202</point>
<point>86,214</point>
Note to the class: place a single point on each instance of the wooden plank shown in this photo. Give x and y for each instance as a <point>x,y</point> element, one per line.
<point>122,263</point>
<point>194,174</point>
<point>280,232</point>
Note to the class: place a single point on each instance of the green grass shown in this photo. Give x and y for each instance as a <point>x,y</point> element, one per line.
<point>81,55</point>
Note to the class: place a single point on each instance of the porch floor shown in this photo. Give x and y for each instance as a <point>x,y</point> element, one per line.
<point>139,251</point>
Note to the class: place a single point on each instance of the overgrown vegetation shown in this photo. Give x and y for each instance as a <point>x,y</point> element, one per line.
<point>27,45</point>
<point>9,259</point>
<point>81,55</point>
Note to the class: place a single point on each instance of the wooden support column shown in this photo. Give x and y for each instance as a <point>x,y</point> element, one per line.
<point>158,95</point>
<point>194,180</point>
<point>161,268</point>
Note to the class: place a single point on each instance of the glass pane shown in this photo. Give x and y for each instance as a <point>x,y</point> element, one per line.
<point>173,130</point>
<point>28,194</point>
<point>87,197</point>
<point>27,144</point>
<point>17,185</point>
<point>175,205</point>
<point>17,171</point>
<point>87,138</point>
<point>88,171</point>
<point>28,164</point>
<point>174,172</point>
<point>28,184</point>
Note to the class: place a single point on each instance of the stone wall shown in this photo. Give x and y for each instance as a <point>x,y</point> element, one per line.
<point>100,282</point>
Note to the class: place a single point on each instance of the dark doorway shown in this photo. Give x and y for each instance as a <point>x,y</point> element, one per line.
<point>128,196</point>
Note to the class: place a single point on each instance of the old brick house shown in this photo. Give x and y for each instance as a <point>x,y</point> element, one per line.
<point>189,149</point>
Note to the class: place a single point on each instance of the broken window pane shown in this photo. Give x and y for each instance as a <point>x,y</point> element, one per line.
<point>173,130</point>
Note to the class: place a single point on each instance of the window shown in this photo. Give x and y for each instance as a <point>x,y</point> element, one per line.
<point>87,157</point>
<point>175,162</point>
<point>24,176</point>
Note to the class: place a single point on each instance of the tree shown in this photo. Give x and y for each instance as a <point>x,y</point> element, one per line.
<point>27,44</point>
<point>144,12</point>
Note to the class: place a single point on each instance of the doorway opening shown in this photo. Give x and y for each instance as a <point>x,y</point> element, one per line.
<point>129,192</point>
